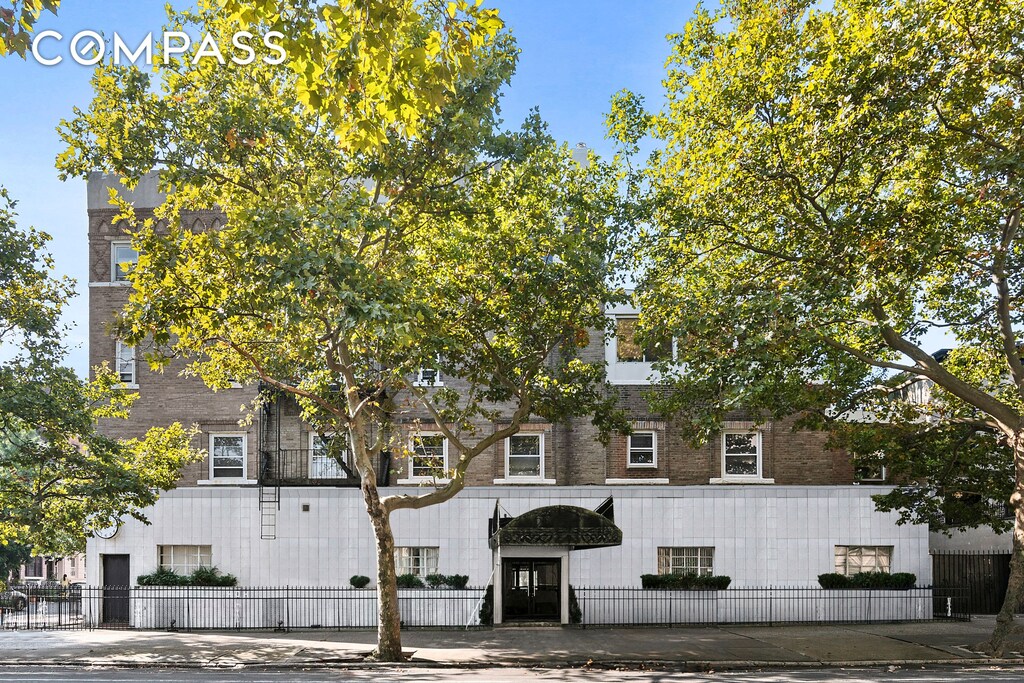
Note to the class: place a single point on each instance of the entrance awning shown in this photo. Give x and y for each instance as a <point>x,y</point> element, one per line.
<point>558,525</point>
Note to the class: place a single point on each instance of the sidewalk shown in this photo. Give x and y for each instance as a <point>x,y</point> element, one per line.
<point>679,648</point>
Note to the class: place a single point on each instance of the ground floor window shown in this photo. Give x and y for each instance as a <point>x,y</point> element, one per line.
<point>185,559</point>
<point>854,559</point>
<point>419,561</point>
<point>686,560</point>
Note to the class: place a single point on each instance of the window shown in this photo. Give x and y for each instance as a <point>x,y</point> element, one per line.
<point>428,377</point>
<point>122,258</point>
<point>126,363</point>
<point>324,452</point>
<point>524,456</point>
<point>629,349</point>
<point>741,454</point>
<point>430,456</point>
<point>184,559</point>
<point>854,559</point>
<point>227,456</point>
<point>417,561</point>
<point>686,560</point>
<point>642,449</point>
<point>869,472</point>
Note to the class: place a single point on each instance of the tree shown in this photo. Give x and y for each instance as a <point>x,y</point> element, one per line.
<point>12,557</point>
<point>16,24</point>
<point>385,66</point>
<point>59,478</point>
<point>339,273</point>
<point>832,184</point>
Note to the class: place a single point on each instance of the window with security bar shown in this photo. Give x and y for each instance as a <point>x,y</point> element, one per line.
<point>185,559</point>
<point>686,560</point>
<point>416,560</point>
<point>854,559</point>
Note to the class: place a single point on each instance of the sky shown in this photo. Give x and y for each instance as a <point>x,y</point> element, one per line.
<point>575,55</point>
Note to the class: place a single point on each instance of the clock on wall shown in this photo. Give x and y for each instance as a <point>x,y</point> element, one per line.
<point>107,532</point>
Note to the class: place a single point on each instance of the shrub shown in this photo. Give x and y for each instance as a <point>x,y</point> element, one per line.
<point>436,580</point>
<point>204,576</point>
<point>487,607</point>
<point>409,581</point>
<point>686,582</point>
<point>903,580</point>
<point>457,581</point>
<point>575,613</point>
<point>833,580</point>
<point>868,580</point>
<point>359,581</point>
<point>211,576</point>
<point>163,577</point>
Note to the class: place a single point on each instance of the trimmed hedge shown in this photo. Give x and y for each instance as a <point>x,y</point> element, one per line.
<point>409,581</point>
<point>447,580</point>
<point>685,582</point>
<point>204,576</point>
<point>897,581</point>
<point>359,581</point>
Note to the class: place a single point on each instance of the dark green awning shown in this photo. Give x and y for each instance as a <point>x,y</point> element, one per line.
<point>559,525</point>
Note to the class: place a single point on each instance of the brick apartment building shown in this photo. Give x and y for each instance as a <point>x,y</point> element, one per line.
<point>762,504</point>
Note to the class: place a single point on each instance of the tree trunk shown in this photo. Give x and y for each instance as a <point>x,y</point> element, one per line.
<point>1006,630</point>
<point>389,623</point>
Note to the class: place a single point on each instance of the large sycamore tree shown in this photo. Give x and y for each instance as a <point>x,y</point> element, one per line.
<point>59,478</point>
<point>342,268</point>
<point>832,184</point>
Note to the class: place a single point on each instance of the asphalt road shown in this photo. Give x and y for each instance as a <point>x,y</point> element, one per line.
<point>503,675</point>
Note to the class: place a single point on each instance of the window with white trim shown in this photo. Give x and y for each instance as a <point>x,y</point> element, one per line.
<point>629,349</point>
<point>642,449</point>
<point>122,259</point>
<point>854,559</point>
<point>428,377</point>
<point>686,560</point>
<point>741,454</point>
<point>524,456</point>
<point>184,559</point>
<point>125,363</point>
<point>419,561</point>
<point>324,452</point>
<point>227,456</point>
<point>430,456</point>
<point>869,472</point>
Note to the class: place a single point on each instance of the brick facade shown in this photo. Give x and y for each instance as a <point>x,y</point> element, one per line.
<point>573,453</point>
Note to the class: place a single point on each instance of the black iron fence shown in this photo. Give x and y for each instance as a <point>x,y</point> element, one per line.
<point>189,608</point>
<point>983,575</point>
<point>41,607</point>
<point>641,607</point>
<point>296,608</point>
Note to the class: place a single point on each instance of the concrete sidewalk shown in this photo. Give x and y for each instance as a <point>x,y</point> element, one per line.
<point>677,648</point>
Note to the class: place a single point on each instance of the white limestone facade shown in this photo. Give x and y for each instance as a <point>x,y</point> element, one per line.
<point>761,535</point>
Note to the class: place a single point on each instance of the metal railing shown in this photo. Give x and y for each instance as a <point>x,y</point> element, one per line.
<point>643,607</point>
<point>41,607</point>
<point>304,467</point>
<point>188,608</point>
<point>296,608</point>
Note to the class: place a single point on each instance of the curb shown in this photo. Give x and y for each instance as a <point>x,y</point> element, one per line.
<point>687,666</point>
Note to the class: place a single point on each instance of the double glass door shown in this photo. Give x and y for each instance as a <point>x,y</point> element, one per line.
<point>531,590</point>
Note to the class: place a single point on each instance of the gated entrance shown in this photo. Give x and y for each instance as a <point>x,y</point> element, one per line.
<point>982,575</point>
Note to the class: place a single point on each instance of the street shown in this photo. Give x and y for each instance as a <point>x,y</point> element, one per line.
<point>501,675</point>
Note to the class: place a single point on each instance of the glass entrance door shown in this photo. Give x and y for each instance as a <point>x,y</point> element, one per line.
<point>531,590</point>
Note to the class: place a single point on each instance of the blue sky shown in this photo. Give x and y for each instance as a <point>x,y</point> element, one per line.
<point>575,55</point>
